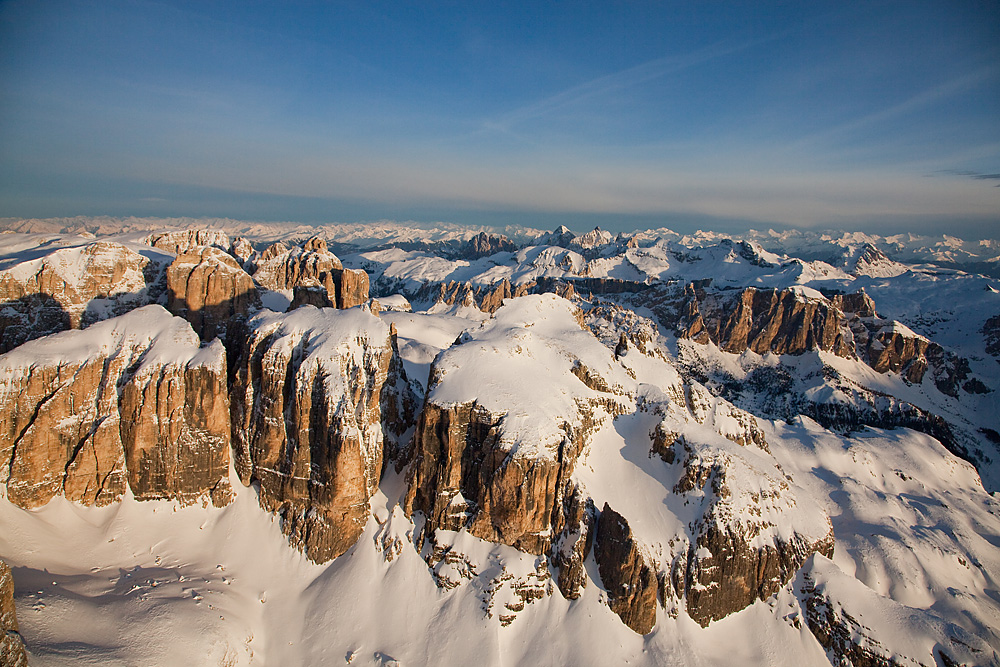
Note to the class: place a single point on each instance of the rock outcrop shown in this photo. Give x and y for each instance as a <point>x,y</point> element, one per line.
<point>352,288</point>
<point>11,645</point>
<point>209,289</point>
<point>72,288</point>
<point>792,322</point>
<point>130,401</point>
<point>496,456</point>
<point>763,320</point>
<point>628,576</point>
<point>487,298</point>
<point>186,241</point>
<point>486,245</point>
<point>310,265</point>
<point>307,423</point>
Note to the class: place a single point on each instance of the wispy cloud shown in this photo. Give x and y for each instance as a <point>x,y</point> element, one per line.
<point>615,83</point>
<point>916,102</point>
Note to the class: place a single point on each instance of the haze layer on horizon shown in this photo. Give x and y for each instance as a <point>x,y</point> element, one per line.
<point>877,117</point>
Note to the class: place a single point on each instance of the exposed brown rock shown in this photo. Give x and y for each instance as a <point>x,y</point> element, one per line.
<point>469,470</point>
<point>175,431</point>
<point>73,288</point>
<point>488,298</point>
<point>734,558</point>
<point>352,288</point>
<point>11,645</point>
<point>209,288</point>
<point>188,240</point>
<point>310,293</point>
<point>628,577</point>
<point>279,268</point>
<point>463,477</point>
<point>130,400</point>
<point>311,265</point>
<point>399,406</point>
<point>485,245</point>
<point>241,249</point>
<point>306,421</point>
<point>778,321</point>
<point>572,546</point>
<point>842,635</point>
<point>896,349</point>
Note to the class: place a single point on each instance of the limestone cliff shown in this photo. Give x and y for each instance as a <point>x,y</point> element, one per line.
<point>11,645</point>
<point>763,320</point>
<point>496,456</point>
<point>130,401</point>
<point>312,264</point>
<point>186,241</point>
<point>306,420</point>
<point>72,288</point>
<point>627,573</point>
<point>209,288</point>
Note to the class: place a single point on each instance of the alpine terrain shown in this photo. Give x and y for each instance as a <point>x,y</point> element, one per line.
<point>234,443</point>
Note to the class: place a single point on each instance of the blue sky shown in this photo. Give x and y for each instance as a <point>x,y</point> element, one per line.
<point>880,116</point>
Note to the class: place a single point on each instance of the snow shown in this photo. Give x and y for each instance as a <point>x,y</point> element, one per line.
<point>169,339</point>
<point>519,364</point>
<point>916,559</point>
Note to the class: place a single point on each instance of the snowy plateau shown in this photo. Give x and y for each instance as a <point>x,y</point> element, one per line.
<point>231,443</point>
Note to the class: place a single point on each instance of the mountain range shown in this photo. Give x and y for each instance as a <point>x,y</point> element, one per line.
<point>257,443</point>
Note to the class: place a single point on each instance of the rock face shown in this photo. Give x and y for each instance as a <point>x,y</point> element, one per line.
<point>751,533</point>
<point>626,573</point>
<point>188,240</point>
<point>485,245</point>
<point>306,421</point>
<point>11,645</point>
<point>840,634</point>
<point>488,298</point>
<point>787,322</point>
<point>73,288</point>
<point>593,239</point>
<point>778,321</point>
<point>352,288</point>
<point>311,265</point>
<point>132,400</point>
<point>495,456</point>
<point>209,288</point>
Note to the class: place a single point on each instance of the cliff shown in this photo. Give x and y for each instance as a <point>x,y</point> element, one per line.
<point>312,264</point>
<point>129,401</point>
<point>72,288</point>
<point>307,422</point>
<point>496,455</point>
<point>208,288</point>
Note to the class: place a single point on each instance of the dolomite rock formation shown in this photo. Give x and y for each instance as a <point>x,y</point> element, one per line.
<point>310,293</point>
<point>11,645</point>
<point>626,572</point>
<point>241,249</point>
<point>496,456</point>
<point>778,321</point>
<point>352,288</point>
<point>306,420</point>
<point>209,288</point>
<point>133,400</point>
<point>486,245</point>
<point>311,265</point>
<point>786,322</point>
<point>573,544</point>
<point>488,298</point>
<point>751,533</point>
<point>72,288</point>
<point>188,240</point>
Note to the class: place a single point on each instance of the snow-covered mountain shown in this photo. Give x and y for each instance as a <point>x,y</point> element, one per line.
<point>387,444</point>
